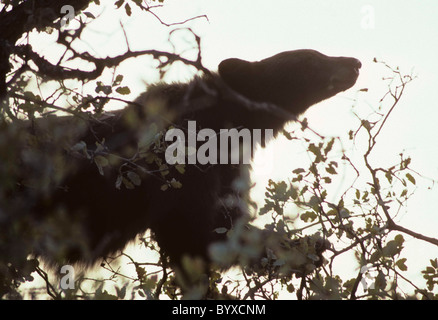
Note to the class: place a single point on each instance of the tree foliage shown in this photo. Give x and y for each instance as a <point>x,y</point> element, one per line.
<point>359,222</point>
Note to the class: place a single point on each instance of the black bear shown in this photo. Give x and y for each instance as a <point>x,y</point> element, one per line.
<point>111,181</point>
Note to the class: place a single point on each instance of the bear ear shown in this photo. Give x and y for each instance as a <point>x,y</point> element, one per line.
<point>233,71</point>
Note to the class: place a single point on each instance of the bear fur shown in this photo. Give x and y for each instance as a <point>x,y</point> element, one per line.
<point>111,182</point>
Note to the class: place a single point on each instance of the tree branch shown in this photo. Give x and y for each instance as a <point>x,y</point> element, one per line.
<point>25,17</point>
<point>58,72</point>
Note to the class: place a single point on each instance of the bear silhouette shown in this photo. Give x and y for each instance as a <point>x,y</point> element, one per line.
<point>106,179</point>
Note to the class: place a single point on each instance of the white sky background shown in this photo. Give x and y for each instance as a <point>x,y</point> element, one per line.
<point>402,33</point>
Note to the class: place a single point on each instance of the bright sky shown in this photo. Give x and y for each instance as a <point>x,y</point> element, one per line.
<point>401,33</point>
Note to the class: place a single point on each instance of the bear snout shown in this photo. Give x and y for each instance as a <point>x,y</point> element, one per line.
<point>346,74</point>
